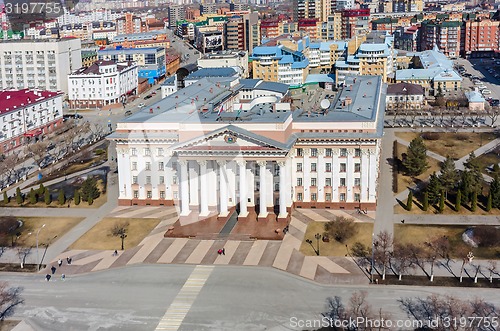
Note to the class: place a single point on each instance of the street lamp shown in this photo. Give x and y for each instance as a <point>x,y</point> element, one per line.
<point>37,245</point>
<point>309,241</point>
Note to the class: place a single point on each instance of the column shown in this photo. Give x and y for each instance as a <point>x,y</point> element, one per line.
<point>290,182</point>
<point>306,170</point>
<point>124,177</point>
<point>262,193</point>
<point>184,188</point>
<point>270,184</point>
<point>243,188</point>
<point>372,175</point>
<point>203,188</point>
<point>223,188</point>
<point>321,175</point>
<point>212,182</point>
<point>350,176</point>
<point>365,169</point>
<point>193,184</point>
<point>251,183</point>
<point>283,190</point>
<point>336,175</point>
<point>231,182</point>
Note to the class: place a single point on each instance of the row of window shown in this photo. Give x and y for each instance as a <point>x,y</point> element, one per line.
<point>135,180</point>
<point>149,194</point>
<point>329,152</point>
<point>328,197</point>
<point>328,182</point>
<point>328,167</point>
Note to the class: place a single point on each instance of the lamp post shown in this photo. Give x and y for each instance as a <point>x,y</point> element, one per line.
<point>37,260</point>
<point>309,241</point>
<point>373,258</point>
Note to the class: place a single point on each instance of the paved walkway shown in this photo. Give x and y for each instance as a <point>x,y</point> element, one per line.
<point>284,255</point>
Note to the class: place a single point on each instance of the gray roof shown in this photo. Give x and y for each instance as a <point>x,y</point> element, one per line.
<point>249,83</point>
<point>211,72</point>
<point>272,86</point>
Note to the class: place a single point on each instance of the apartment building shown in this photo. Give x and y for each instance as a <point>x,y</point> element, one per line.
<point>444,34</point>
<point>27,113</point>
<point>175,13</point>
<point>103,83</point>
<point>155,38</point>
<point>226,59</point>
<point>480,36</point>
<point>129,23</point>
<point>355,22</point>
<point>41,64</point>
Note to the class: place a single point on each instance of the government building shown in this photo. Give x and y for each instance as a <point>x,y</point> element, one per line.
<point>225,145</point>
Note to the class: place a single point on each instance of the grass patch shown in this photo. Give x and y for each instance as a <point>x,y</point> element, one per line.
<point>406,181</point>
<point>486,162</point>
<point>419,233</point>
<point>457,145</point>
<point>54,226</point>
<point>335,248</point>
<point>99,237</point>
<point>8,325</point>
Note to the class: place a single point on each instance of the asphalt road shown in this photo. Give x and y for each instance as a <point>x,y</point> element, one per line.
<point>233,298</point>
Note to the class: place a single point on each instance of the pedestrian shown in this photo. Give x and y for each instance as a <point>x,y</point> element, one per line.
<point>47,277</point>
<point>53,269</point>
<point>68,259</point>
<point>63,277</point>
<point>219,251</point>
<point>223,251</point>
<point>115,253</point>
<point>59,262</point>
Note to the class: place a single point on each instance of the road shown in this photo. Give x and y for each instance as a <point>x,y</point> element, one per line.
<point>188,53</point>
<point>137,297</point>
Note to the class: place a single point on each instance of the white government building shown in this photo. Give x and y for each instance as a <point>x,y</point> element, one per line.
<point>256,156</point>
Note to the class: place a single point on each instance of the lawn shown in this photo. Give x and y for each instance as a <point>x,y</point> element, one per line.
<point>406,181</point>
<point>335,248</point>
<point>487,161</point>
<point>457,145</point>
<point>99,237</point>
<point>406,233</point>
<point>54,227</point>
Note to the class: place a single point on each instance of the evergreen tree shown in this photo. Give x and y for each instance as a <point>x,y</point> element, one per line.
<point>90,200</point>
<point>495,192</point>
<point>458,201</point>
<point>449,174</point>
<point>488,203</point>
<point>19,196</point>
<point>76,197</point>
<point>89,189</point>
<point>441,202</point>
<point>433,189</point>
<point>5,197</point>
<point>61,198</point>
<point>32,196</point>
<point>415,160</point>
<point>425,203</point>
<point>409,203</point>
<point>475,177</point>
<point>466,186</point>
<point>47,198</point>
<point>496,169</point>
<point>473,204</point>
<point>41,190</point>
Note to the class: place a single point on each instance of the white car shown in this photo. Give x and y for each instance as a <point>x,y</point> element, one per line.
<point>141,105</point>
<point>486,92</point>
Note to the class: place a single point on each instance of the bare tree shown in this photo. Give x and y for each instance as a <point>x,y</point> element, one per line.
<point>97,131</point>
<point>400,260</point>
<point>120,229</point>
<point>38,151</point>
<point>492,268</point>
<point>486,311</point>
<point>22,253</point>
<point>431,257</point>
<point>10,298</point>
<point>492,113</point>
<point>10,227</point>
<point>383,248</point>
<point>416,255</point>
<point>9,165</point>
<point>477,269</point>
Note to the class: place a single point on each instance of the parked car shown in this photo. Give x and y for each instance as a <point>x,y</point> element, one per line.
<point>141,105</point>
<point>128,113</point>
<point>486,92</point>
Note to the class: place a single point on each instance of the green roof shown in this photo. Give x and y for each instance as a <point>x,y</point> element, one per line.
<point>11,33</point>
<point>385,20</point>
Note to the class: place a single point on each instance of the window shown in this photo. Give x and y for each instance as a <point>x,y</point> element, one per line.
<point>328,197</point>
<point>313,167</point>
<point>356,197</point>
<point>162,179</point>
<point>299,181</point>
<point>300,152</point>
<point>328,152</point>
<point>299,167</point>
<point>161,166</point>
<point>314,182</point>
<point>159,151</point>
<point>328,167</point>
<point>276,187</point>
<point>176,195</point>
<point>343,152</point>
<point>174,179</point>
<point>148,179</point>
<point>357,182</point>
<point>357,167</point>
<point>328,182</point>
<point>162,194</point>
<point>149,194</point>
<point>343,167</point>
<point>357,152</point>
<point>342,181</point>
<point>314,152</point>
<point>342,196</point>
<point>133,151</point>
<point>136,194</point>
<point>134,165</point>
<point>134,180</point>
<point>148,165</point>
<point>299,196</point>
<point>314,197</point>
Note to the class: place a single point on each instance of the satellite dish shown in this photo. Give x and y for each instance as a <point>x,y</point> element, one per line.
<point>325,104</point>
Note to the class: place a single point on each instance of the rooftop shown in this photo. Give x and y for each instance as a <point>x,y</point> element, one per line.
<point>94,69</point>
<point>405,88</point>
<point>139,36</point>
<point>145,50</point>
<point>211,72</point>
<point>11,100</point>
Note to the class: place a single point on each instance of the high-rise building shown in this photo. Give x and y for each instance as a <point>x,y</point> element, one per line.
<point>444,34</point>
<point>41,64</point>
<point>128,24</point>
<point>175,13</point>
<point>480,36</point>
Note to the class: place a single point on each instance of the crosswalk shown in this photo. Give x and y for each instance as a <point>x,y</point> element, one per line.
<point>182,303</point>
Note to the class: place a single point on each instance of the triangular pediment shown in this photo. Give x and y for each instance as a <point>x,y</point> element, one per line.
<point>230,139</point>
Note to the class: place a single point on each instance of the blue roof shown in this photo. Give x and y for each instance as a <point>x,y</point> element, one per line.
<point>169,81</point>
<point>474,96</point>
<point>300,65</point>
<point>320,78</point>
<point>266,50</point>
<point>211,72</point>
<point>273,86</point>
<point>286,59</point>
<point>249,83</point>
<point>315,45</point>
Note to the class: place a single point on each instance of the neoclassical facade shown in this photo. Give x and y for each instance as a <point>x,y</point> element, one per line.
<point>257,157</point>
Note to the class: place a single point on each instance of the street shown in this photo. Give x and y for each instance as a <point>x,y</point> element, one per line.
<point>233,298</point>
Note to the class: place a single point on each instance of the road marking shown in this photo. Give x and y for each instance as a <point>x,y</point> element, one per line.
<point>182,303</point>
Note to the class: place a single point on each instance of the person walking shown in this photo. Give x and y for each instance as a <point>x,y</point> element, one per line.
<point>47,277</point>
<point>68,259</point>
<point>53,269</point>
<point>63,277</point>
<point>59,262</point>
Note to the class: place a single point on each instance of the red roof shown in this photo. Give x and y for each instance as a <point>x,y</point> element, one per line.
<point>11,100</point>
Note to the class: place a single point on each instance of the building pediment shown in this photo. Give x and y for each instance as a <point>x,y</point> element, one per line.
<point>230,140</point>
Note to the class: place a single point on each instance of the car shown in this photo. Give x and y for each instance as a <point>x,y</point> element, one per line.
<point>486,92</point>
<point>141,105</point>
<point>147,97</point>
<point>128,113</point>
<point>154,93</point>
<point>481,87</point>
